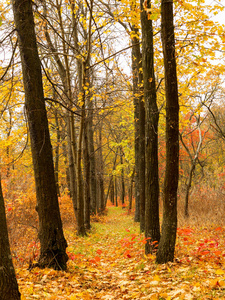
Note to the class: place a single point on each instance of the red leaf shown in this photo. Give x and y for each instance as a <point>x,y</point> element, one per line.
<point>97,258</point>
<point>99,251</point>
<point>218,229</point>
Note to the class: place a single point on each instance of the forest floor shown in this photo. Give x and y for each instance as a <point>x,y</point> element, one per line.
<point>110,264</point>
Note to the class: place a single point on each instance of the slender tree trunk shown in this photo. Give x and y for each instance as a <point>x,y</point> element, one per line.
<point>152,227</point>
<point>112,194</point>
<point>131,191</point>
<point>87,197</point>
<point>9,129</point>
<point>136,67</point>
<point>186,206</point>
<point>140,154</point>
<point>65,157</point>
<point>116,191</point>
<point>122,180</point>
<point>169,227</point>
<point>95,205</point>
<point>53,244</point>
<point>71,159</point>
<point>111,179</point>
<point>57,152</point>
<point>100,174</point>
<point>80,189</point>
<point>8,284</point>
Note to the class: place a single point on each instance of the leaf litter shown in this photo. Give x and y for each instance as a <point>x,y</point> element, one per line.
<point>110,264</point>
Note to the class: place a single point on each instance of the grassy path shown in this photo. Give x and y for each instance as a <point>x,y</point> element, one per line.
<point>110,264</point>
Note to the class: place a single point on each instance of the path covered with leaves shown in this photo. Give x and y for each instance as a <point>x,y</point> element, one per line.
<point>110,264</point>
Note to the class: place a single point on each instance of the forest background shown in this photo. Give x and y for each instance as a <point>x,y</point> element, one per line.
<point>65,35</point>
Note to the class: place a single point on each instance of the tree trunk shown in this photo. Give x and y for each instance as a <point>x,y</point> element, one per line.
<point>186,205</point>
<point>139,130</point>
<point>122,179</point>
<point>87,197</point>
<point>53,244</point>
<point>136,66</point>
<point>80,189</point>
<point>131,191</point>
<point>101,173</point>
<point>65,158</point>
<point>169,227</point>
<point>95,205</point>
<point>112,191</point>
<point>152,227</point>
<point>8,284</point>
<point>57,152</point>
<point>116,191</point>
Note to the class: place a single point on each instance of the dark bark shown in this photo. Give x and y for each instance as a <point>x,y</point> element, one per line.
<point>112,191</point>
<point>111,179</point>
<point>95,203</point>
<point>53,244</point>
<point>122,179</point>
<point>8,283</point>
<point>136,62</point>
<point>131,191</point>
<point>152,227</point>
<point>100,174</point>
<point>139,116</point>
<point>116,191</point>
<point>65,158</point>
<point>57,152</point>
<point>80,188</point>
<point>188,188</point>
<point>87,197</point>
<point>169,227</point>
<point>137,94</point>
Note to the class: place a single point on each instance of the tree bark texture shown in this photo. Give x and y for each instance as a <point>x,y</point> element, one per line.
<point>95,203</point>
<point>101,173</point>
<point>8,284</point>
<point>169,227</point>
<point>136,66</point>
<point>53,244</point>
<point>80,189</point>
<point>87,197</point>
<point>122,179</point>
<point>57,152</point>
<point>152,227</point>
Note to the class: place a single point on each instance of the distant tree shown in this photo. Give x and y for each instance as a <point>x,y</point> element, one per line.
<point>169,227</point>
<point>8,284</point>
<point>193,152</point>
<point>53,244</point>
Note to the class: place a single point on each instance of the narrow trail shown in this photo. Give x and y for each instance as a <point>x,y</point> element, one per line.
<point>110,264</point>
<point>112,251</point>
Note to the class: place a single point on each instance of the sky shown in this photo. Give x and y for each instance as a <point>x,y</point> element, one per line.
<point>221,16</point>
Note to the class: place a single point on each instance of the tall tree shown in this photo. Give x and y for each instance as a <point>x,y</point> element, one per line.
<point>53,244</point>
<point>169,227</point>
<point>152,228</point>
<point>8,284</point>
